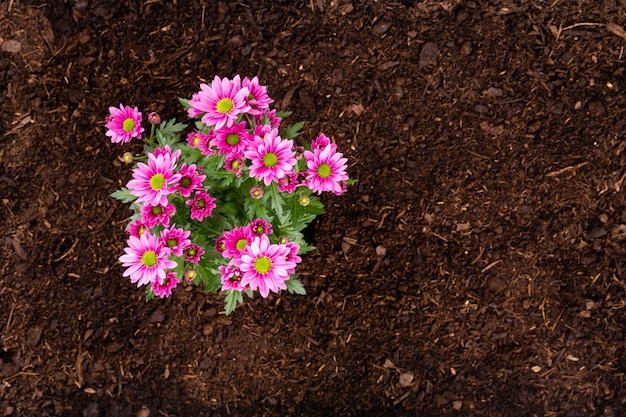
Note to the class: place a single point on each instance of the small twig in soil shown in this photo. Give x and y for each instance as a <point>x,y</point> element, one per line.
<point>566,169</point>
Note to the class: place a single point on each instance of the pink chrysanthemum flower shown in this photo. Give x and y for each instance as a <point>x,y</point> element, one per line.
<point>231,278</point>
<point>163,288</point>
<point>234,163</point>
<point>166,150</point>
<point>190,274</point>
<point>288,183</point>
<point>256,193</point>
<point>320,142</point>
<point>194,138</point>
<point>193,253</point>
<point>175,239</point>
<point>137,228</point>
<point>232,140</point>
<point>154,118</point>
<point>205,144</point>
<point>201,206</point>
<point>264,266</point>
<point>258,99</point>
<point>260,227</point>
<point>145,259</point>
<point>327,169</point>
<point>221,102</point>
<point>262,130</point>
<point>236,240</point>
<point>124,124</point>
<point>294,248</point>
<point>158,214</point>
<point>220,244</point>
<point>190,179</point>
<point>272,157</point>
<point>268,118</point>
<point>152,183</point>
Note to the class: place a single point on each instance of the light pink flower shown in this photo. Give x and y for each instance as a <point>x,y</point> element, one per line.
<point>265,266</point>
<point>124,124</point>
<point>190,179</point>
<point>175,239</point>
<point>152,183</point>
<point>258,98</point>
<point>256,193</point>
<point>163,288</point>
<point>236,240</point>
<point>201,206</point>
<point>271,157</point>
<point>231,278</point>
<point>327,169</point>
<point>221,102</point>
<point>145,259</point>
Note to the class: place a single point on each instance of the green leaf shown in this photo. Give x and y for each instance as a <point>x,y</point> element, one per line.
<point>149,293</point>
<point>295,287</point>
<point>124,195</point>
<point>231,299</point>
<point>292,131</point>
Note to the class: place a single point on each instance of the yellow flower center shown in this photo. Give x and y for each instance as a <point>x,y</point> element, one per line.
<point>225,105</point>
<point>270,159</point>
<point>323,170</point>
<point>241,244</point>
<point>157,181</point>
<point>262,264</point>
<point>128,125</point>
<point>233,139</point>
<point>149,258</point>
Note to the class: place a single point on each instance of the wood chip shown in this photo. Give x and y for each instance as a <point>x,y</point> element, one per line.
<point>616,30</point>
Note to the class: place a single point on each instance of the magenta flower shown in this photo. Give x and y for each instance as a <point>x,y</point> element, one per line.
<point>221,102</point>
<point>268,118</point>
<point>256,193</point>
<point>231,278</point>
<point>124,124</point>
<point>327,169</point>
<point>155,215</point>
<point>234,163</point>
<point>190,179</point>
<point>294,248</point>
<point>163,288</point>
<point>193,253</point>
<point>154,118</point>
<point>201,206</point>
<point>288,183</point>
<point>260,227</point>
<point>175,239</point>
<point>232,140</point>
<point>265,266</point>
<point>166,150</point>
<point>320,142</point>
<point>194,138</point>
<point>152,183</point>
<point>220,244</point>
<point>137,228</point>
<point>145,259</point>
<point>258,98</point>
<point>271,157</point>
<point>236,240</point>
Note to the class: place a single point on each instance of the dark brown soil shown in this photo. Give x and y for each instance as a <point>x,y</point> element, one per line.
<point>476,268</point>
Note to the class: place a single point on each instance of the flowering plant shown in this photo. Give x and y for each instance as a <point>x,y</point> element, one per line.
<point>225,203</point>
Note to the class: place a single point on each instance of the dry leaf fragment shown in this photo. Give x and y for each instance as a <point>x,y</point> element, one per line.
<point>406,379</point>
<point>616,30</point>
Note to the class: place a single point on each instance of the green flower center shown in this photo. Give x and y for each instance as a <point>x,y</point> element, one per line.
<point>225,105</point>
<point>149,258</point>
<point>270,159</point>
<point>323,170</point>
<point>259,230</point>
<point>192,252</point>
<point>233,139</point>
<point>235,278</point>
<point>157,210</point>
<point>157,181</point>
<point>241,244</point>
<point>128,125</point>
<point>201,204</point>
<point>262,264</point>
<point>185,182</point>
<point>235,165</point>
<point>171,242</point>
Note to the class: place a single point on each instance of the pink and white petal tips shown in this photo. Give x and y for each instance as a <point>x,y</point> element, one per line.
<point>146,259</point>
<point>258,98</point>
<point>124,124</point>
<point>152,183</point>
<point>222,102</point>
<point>271,157</point>
<point>265,266</point>
<point>175,239</point>
<point>163,288</point>
<point>327,169</point>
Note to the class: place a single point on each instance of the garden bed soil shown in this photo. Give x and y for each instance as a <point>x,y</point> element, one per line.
<point>476,267</point>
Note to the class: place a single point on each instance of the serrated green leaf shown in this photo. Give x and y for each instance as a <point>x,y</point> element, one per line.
<point>124,195</point>
<point>231,299</point>
<point>292,131</point>
<point>294,286</point>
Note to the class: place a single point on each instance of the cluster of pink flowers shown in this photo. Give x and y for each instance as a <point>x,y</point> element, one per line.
<point>173,197</point>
